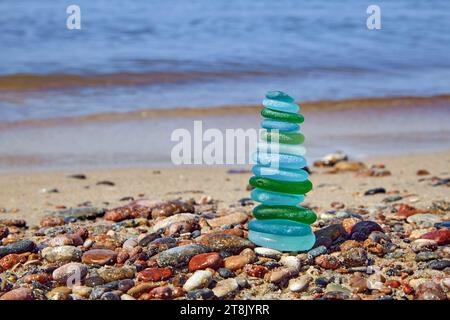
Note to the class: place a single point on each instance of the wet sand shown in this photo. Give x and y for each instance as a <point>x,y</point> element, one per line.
<point>143,139</point>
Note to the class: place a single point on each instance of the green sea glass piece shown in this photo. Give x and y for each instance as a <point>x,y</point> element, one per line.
<point>299,214</point>
<point>282,116</point>
<point>300,187</point>
<point>283,137</point>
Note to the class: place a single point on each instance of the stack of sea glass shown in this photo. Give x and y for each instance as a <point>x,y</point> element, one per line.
<point>280,180</point>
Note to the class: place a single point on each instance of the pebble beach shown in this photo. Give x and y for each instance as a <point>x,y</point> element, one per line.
<point>174,233</point>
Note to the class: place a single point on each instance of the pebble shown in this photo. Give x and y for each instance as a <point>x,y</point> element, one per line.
<point>225,287</point>
<point>291,262</point>
<point>426,256</point>
<point>230,243</point>
<point>358,283</point>
<point>4,231</point>
<point>374,191</point>
<point>181,255</point>
<point>281,275</point>
<point>363,229</point>
<point>225,273</point>
<point>355,257</point>
<point>83,291</point>
<point>204,294</point>
<point>165,223</point>
<point>18,294</point>
<point>336,287</point>
<point>392,199</point>
<point>20,246</point>
<point>74,270</point>
<point>267,252</point>
<point>430,291</point>
<point>327,261</point>
<point>230,219</point>
<point>424,220</point>
<point>59,293</point>
<point>200,279</point>
<point>325,236</point>
<point>423,245</point>
<point>320,250</point>
<point>439,264</point>
<point>442,225</point>
<point>201,261</point>
<point>299,284</point>
<point>236,262</point>
<point>99,256</point>
<point>61,253</point>
<point>74,214</point>
<point>109,273</point>
<point>441,236</point>
<point>154,274</point>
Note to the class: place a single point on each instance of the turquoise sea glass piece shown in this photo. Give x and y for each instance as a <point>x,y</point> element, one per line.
<point>276,198</point>
<point>281,105</point>
<point>279,95</point>
<point>291,149</point>
<point>282,243</point>
<point>279,125</point>
<point>283,161</point>
<point>280,227</point>
<point>279,174</point>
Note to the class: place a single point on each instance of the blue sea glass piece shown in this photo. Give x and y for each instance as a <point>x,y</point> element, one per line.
<point>280,125</point>
<point>282,243</point>
<point>276,198</point>
<point>291,149</point>
<point>280,227</point>
<point>277,174</point>
<point>279,95</point>
<point>281,105</point>
<point>280,160</point>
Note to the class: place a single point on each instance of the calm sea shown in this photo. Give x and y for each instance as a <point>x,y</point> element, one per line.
<point>132,55</point>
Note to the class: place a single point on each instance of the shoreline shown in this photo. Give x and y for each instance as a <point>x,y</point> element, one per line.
<point>356,104</point>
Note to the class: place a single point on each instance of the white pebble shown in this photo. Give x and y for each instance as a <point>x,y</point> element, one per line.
<point>299,284</point>
<point>291,262</point>
<point>225,287</point>
<point>267,252</point>
<point>200,279</point>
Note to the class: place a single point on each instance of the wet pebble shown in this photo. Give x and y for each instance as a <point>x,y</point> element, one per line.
<point>225,287</point>
<point>200,279</point>
<point>20,246</point>
<point>181,255</point>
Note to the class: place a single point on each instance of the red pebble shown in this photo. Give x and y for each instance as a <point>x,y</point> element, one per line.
<point>255,270</point>
<point>202,261</point>
<point>406,210</point>
<point>154,274</point>
<point>441,236</point>
<point>407,289</point>
<point>162,293</point>
<point>18,294</point>
<point>392,283</point>
<point>11,260</point>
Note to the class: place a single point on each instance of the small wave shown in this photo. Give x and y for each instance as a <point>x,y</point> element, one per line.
<point>322,105</point>
<point>24,82</point>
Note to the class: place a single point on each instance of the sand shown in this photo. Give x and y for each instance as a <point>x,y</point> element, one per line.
<point>22,194</point>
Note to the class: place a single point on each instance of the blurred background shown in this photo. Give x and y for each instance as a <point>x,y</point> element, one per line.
<point>160,54</point>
